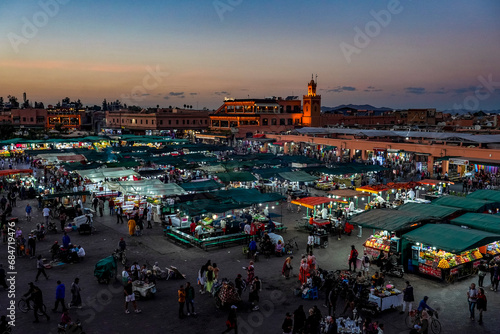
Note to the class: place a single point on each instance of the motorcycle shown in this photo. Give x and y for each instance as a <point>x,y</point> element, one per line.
<point>120,256</point>
<point>51,227</point>
<point>395,271</point>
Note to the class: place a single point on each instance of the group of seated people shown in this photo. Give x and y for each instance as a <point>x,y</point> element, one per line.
<point>266,247</point>
<point>70,254</point>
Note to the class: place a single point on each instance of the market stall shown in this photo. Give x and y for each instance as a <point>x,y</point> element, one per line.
<point>467,204</point>
<point>386,297</point>
<point>443,250</point>
<point>483,222</point>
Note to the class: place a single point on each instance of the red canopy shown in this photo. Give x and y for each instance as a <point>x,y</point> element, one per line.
<point>433,182</point>
<point>311,202</point>
<point>6,172</point>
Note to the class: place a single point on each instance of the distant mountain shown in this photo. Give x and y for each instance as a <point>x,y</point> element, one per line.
<point>465,111</point>
<point>357,107</point>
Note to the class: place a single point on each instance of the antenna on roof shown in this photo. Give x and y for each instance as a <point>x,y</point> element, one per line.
<point>316,79</point>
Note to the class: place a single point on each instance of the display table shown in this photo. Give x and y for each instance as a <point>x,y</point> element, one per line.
<point>387,302</point>
<point>348,326</point>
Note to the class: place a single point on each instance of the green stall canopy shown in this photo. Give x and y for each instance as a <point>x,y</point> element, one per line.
<point>479,221</point>
<point>298,176</point>
<point>450,238</point>
<point>486,194</point>
<point>201,185</point>
<point>249,196</point>
<point>386,220</point>
<point>429,210</point>
<point>58,195</point>
<point>466,204</point>
<point>236,177</point>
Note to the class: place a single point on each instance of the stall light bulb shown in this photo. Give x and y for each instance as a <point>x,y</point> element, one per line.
<point>260,204</point>
<point>418,244</point>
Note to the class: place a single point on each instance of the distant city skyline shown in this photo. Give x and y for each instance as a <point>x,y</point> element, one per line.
<point>398,54</point>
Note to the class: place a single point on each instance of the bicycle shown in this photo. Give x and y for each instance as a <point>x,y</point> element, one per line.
<point>26,305</point>
<point>413,318</point>
<point>290,245</point>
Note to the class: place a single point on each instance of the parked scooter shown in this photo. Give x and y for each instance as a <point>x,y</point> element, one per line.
<point>395,271</point>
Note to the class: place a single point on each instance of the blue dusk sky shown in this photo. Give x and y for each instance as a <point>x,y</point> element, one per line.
<point>399,54</point>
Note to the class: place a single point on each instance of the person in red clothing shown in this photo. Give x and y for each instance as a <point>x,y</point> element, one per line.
<point>348,228</point>
<point>353,257</point>
<point>192,227</point>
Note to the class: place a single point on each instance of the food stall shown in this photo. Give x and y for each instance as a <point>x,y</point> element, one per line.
<point>433,188</point>
<point>444,251</point>
<point>386,297</point>
<point>483,222</point>
<point>377,242</point>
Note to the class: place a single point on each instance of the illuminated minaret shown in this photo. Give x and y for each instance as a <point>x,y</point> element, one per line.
<point>311,105</point>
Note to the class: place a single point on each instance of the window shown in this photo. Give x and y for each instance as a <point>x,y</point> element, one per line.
<point>146,121</point>
<point>161,121</point>
<point>183,121</point>
<point>153,121</point>
<point>265,121</point>
<point>187,121</point>
<point>224,124</point>
<point>205,122</point>
<point>24,119</point>
<point>290,121</point>
<point>215,123</point>
<point>31,119</point>
<point>273,121</point>
<point>233,124</point>
<point>141,121</point>
<point>282,121</point>
<point>177,121</point>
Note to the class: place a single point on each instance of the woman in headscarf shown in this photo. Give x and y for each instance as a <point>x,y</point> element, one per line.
<point>131,227</point>
<point>250,273</point>
<point>303,271</point>
<point>287,267</point>
<point>424,325</point>
<point>299,319</point>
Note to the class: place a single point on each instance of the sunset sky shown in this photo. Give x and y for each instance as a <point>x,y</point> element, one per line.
<point>432,54</point>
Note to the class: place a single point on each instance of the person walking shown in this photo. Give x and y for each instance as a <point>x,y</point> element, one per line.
<point>31,245</point>
<point>182,300</point>
<point>287,325</point>
<point>60,295</point>
<point>287,267</point>
<point>254,298</point>
<point>111,205</point>
<point>130,297</point>
<point>209,279</point>
<point>353,257</point>
<point>472,297</point>
<point>250,273</point>
<point>232,321</point>
<point>62,219</point>
<point>119,215</point>
<point>76,299</point>
<point>190,299</point>
<point>46,213</point>
<point>482,271</point>
<point>310,243</point>
<point>101,207</point>
<point>299,320</point>
<point>481,304</point>
<point>131,227</point>
<point>36,295</point>
<point>41,268</point>
<point>240,284</point>
<point>148,218</point>
<point>408,298</point>
<point>2,277</point>
<point>495,273</point>
<point>28,212</point>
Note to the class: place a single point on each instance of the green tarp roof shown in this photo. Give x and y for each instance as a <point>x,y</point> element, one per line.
<point>79,166</point>
<point>236,177</point>
<point>298,176</point>
<point>428,210</point>
<point>146,188</point>
<point>201,185</point>
<point>202,206</point>
<point>267,173</point>
<point>466,204</point>
<point>486,194</point>
<point>479,221</point>
<point>249,196</point>
<point>387,220</point>
<point>450,238</point>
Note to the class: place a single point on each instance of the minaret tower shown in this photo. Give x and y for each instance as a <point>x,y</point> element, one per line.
<point>311,105</point>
